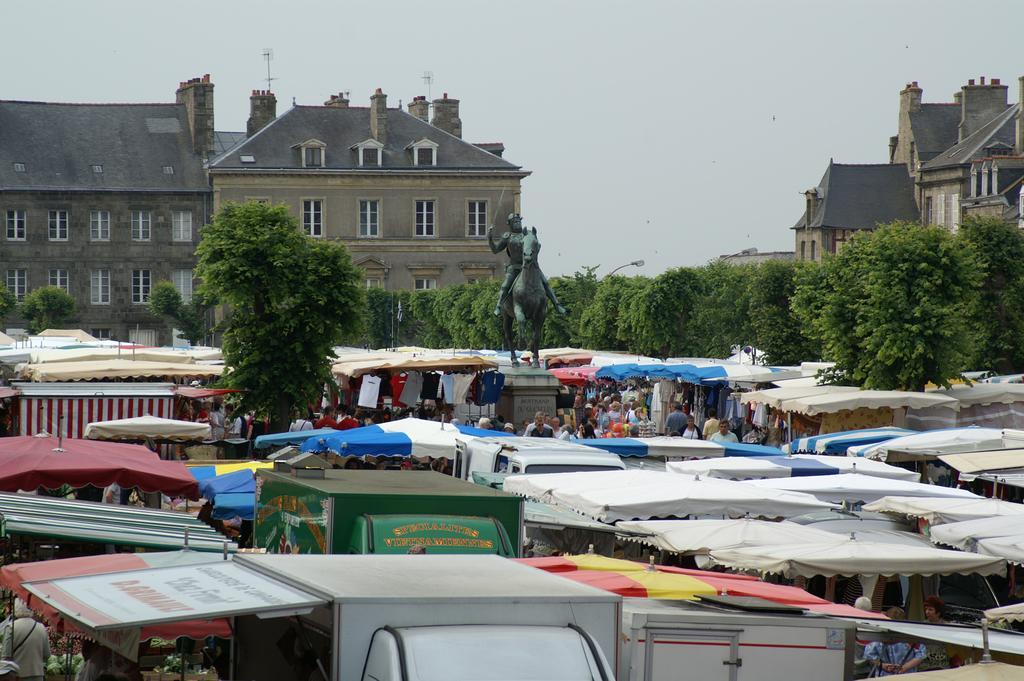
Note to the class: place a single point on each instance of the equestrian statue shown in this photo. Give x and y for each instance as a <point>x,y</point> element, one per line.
<point>525,292</point>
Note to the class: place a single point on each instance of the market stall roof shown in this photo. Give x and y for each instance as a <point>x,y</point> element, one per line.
<point>691,372</point>
<point>235,482</point>
<point>94,389</point>
<point>203,470</point>
<point>668,448</point>
<point>204,393</point>
<point>16,575</point>
<point>1008,613</point>
<point>984,393</point>
<point>849,557</point>
<point>577,376</point>
<point>759,467</point>
<point>85,521</point>
<point>6,340</point>
<point>1009,548</point>
<point>826,403</point>
<point>965,533</point>
<point>933,443</point>
<point>858,487</point>
<point>106,370</point>
<point>610,496</point>
<point>985,461</point>
<point>404,437</point>
<point>99,354</point>
<point>538,514</point>
<point>77,334</point>
<point>702,536</point>
<point>352,366</point>
<point>837,443</point>
<point>30,462</point>
<point>1000,641</point>
<point>291,438</point>
<point>773,397</point>
<point>142,427</point>
<point>938,511</point>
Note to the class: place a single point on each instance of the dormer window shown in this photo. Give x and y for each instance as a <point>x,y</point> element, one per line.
<point>424,152</point>
<point>369,153</point>
<point>312,153</point>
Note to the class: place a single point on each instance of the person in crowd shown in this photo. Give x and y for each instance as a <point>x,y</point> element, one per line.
<point>564,433</point>
<point>556,425</point>
<point>9,670</point>
<point>691,431</point>
<point>646,426</point>
<point>603,420</point>
<point>578,408</point>
<point>299,423</point>
<point>614,413</point>
<point>894,657</point>
<point>586,431</point>
<point>96,659</point>
<point>711,425</point>
<point>326,419</point>
<point>235,422</point>
<point>484,424</point>
<point>935,610</point>
<point>724,434</point>
<point>27,643</point>
<point>348,421</point>
<point>217,421</point>
<point>676,421</point>
<point>509,428</point>
<point>936,654</point>
<point>539,427</point>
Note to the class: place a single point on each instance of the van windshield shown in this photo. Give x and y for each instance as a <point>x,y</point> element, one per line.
<point>567,468</point>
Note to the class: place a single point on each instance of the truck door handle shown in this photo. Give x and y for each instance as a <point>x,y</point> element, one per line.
<point>737,663</point>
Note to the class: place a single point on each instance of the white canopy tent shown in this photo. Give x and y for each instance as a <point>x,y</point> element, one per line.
<point>757,468</point>
<point>773,397</point>
<point>1010,549</point>
<point>828,403</point>
<point>971,464</point>
<point>148,427</point>
<point>932,443</point>
<point>638,495</point>
<point>702,536</point>
<point>964,534</point>
<point>849,557</point>
<point>857,487</point>
<point>937,511</point>
<point>1007,613</point>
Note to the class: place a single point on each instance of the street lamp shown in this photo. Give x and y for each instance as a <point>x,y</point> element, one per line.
<point>635,263</point>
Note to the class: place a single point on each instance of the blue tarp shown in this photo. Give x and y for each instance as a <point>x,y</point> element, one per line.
<point>664,447</point>
<point>239,481</point>
<point>227,506</point>
<point>800,467</point>
<point>837,443</point>
<point>296,438</point>
<point>690,373</point>
<point>406,437</point>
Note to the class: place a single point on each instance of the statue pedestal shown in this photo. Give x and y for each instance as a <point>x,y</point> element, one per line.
<point>526,392</point>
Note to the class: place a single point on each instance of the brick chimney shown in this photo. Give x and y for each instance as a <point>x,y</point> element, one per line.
<point>900,147</point>
<point>197,96</point>
<point>262,110</point>
<point>379,116</point>
<point>420,108</point>
<point>979,104</point>
<point>339,101</point>
<point>446,116</point>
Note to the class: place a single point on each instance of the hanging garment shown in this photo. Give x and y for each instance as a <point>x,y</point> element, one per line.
<point>492,382</point>
<point>410,394</point>
<point>448,388</point>
<point>369,392</point>
<point>397,386</point>
<point>431,383</point>
<point>462,382</point>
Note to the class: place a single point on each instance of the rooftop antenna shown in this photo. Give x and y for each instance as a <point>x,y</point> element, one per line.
<point>268,56</point>
<point>428,79</point>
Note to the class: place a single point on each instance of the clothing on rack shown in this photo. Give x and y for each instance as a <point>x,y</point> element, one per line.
<point>411,390</point>
<point>397,386</point>
<point>461,382</point>
<point>491,383</point>
<point>448,388</point>
<point>369,391</point>
<point>431,382</point>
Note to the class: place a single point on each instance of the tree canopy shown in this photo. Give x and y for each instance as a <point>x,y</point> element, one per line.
<point>188,318</point>
<point>292,298</point>
<point>48,307</point>
<point>8,302</point>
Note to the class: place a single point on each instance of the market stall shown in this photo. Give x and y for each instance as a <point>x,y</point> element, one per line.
<point>932,444</point>
<point>117,369</point>
<point>859,488</point>
<point>936,511</point>
<point>405,437</point>
<point>758,467</point>
<point>692,537</point>
<point>148,428</point>
<point>838,443</point>
<point>68,408</point>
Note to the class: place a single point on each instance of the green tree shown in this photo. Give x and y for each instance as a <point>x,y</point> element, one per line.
<point>892,309</point>
<point>49,307</point>
<point>292,299</point>
<point>8,302</point>
<point>721,312</point>
<point>575,292</point>
<point>998,315</point>
<point>664,311</point>
<point>605,324</point>
<point>776,330</point>
<point>188,318</point>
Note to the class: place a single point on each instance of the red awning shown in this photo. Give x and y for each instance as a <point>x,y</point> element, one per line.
<point>28,462</point>
<point>578,376</point>
<point>203,393</point>
<point>12,577</point>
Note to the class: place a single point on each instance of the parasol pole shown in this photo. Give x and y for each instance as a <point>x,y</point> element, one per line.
<point>986,655</point>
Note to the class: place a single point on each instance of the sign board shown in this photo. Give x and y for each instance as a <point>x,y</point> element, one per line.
<point>193,592</point>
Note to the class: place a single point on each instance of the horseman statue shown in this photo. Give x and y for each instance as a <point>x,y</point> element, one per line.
<point>525,292</point>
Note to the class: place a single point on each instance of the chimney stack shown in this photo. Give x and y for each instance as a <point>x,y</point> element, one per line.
<point>339,101</point>
<point>197,96</point>
<point>420,108</point>
<point>446,116</point>
<point>262,110</point>
<point>979,104</point>
<point>379,116</point>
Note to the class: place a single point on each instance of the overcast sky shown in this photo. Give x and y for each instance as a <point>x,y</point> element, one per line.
<point>671,132</point>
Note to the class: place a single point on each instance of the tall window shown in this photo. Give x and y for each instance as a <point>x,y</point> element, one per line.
<point>424,218</point>
<point>424,156</point>
<point>476,219</point>
<point>814,248</point>
<point>142,225</point>
<point>374,282</point>
<point>183,282</point>
<point>425,284</point>
<point>59,278</point>
<point>369,224</point>
<point>16,225</point>
<point>17,283</point>
<point>313,217</point>
<point>100,334</point>
<point>58,222</point>
<point>99,225</point>
<point>313,157</point>
<point>99,287</point>
<point>140,286</point>
<point>181,225</point>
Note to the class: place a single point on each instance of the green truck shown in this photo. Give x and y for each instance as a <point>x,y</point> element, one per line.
<point>366,511</point>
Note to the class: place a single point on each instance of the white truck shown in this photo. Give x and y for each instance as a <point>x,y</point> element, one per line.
<point>528,455</point>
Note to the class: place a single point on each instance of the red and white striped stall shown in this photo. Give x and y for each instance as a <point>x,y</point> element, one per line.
<point>70,407</point>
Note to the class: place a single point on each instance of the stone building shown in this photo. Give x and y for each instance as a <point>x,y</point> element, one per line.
<point>408,197</point>
<point>850,198</point>
<point>105,200</point>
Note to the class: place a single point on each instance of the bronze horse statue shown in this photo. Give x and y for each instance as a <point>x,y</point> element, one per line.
<point>527,301</point>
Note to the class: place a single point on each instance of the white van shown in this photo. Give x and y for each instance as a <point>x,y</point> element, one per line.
<point>528,455</point>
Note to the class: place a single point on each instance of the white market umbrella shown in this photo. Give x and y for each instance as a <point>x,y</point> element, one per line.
<point>965,533</point>
<point>153,427</point>
<point>857,487</point>
<point>1010,549</point>
<point>702,536</point>
<point>876,469</point>
<point>760,467</point>
<point>937,511</point>
<point>851,557</point>
<point>933,443</point>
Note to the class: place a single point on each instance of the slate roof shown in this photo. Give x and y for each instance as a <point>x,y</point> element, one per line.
<point>863,196</point>
<point>1000,129</point>
<point>341,128</point>
<point>935,129</point>
<point>59,144</point>
<point>222,141</point>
